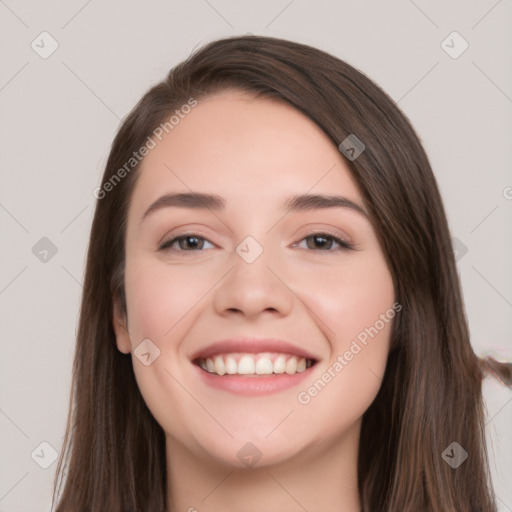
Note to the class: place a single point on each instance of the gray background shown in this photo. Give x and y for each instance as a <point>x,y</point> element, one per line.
<point>60,114</point>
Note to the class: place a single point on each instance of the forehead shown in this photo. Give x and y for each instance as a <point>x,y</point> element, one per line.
<point>243,148</point>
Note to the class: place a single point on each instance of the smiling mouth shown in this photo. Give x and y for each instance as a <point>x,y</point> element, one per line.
<point>249,364</point>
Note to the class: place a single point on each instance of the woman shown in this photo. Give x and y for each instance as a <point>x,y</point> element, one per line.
<point>272,317</point>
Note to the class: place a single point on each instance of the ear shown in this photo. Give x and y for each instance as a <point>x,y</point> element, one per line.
<point>120,327</point>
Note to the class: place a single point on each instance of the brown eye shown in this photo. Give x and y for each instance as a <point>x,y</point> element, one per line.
<point>325,242</point>
<point>189,242</point>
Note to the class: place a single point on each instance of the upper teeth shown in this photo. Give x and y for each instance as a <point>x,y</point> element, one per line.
<point>251,364</point>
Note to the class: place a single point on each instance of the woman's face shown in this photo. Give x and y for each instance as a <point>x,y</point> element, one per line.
<point>259,286</point>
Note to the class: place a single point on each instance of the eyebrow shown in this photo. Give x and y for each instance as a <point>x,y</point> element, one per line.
<point>214,202</point>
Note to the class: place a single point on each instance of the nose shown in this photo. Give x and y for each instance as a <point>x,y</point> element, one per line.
<point>251,289</point>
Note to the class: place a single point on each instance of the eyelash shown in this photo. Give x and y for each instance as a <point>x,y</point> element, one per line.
<point>344,245</point>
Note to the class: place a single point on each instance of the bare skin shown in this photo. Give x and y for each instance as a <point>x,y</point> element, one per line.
<point>302,288</point>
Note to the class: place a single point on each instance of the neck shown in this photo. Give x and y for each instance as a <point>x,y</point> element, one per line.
<point>321,477</point>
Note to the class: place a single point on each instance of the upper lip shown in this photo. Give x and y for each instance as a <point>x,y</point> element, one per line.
<point>253,346</point>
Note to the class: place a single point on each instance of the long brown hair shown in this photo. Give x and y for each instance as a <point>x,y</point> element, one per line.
<point>113,456</point>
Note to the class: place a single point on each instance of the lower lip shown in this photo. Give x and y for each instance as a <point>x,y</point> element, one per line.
<point>253,385</point>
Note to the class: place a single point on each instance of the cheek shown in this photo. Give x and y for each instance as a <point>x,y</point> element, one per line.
<point>350,297</point>
<point>158,299</point>
<point>355,304</point>
<point>160,302</point>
